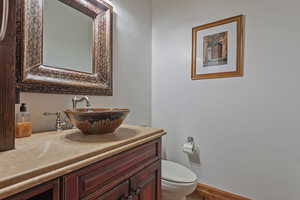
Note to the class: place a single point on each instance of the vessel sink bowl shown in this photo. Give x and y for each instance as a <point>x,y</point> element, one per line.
<point>99,121</point>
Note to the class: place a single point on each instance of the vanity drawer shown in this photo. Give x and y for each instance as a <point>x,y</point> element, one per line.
<point>92,181</point>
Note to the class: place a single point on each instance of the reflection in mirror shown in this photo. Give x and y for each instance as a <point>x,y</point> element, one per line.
<point>67,37</point>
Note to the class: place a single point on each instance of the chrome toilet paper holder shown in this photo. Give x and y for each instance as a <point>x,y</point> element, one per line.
<point>190,139</point>
<point>189,147</point>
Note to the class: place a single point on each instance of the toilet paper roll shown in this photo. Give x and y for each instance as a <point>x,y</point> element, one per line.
<point>189,148</point>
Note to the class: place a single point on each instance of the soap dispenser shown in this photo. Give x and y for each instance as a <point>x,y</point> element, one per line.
<point>23,125</point>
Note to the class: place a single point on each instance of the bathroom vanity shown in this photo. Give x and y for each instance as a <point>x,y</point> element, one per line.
<point>69,165</point>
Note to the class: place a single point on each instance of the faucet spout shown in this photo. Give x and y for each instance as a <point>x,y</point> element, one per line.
<point>76,100</point>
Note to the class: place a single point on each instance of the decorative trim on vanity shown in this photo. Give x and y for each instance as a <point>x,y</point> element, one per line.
<point>205,192</point>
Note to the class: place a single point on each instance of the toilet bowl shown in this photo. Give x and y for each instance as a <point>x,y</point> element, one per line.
<point>177,181</point>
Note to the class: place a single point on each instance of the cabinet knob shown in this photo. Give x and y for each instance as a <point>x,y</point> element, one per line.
<point>130,197</point>
<point>136,192</point>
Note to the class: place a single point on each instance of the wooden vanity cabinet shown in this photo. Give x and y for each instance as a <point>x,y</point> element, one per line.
<point>143,186</point>
<point>146,185</point>
<point>134,175</point>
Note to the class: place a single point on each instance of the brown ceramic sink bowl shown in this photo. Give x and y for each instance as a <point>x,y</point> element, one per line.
<point>97,120</point>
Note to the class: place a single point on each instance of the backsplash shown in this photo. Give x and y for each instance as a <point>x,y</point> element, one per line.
<point>40,103</point>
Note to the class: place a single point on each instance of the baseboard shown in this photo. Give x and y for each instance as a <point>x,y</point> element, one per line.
<point>205,192</point>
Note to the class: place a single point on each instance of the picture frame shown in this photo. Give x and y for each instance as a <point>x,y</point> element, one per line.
<point>33,75</point>
<point>218,49</point>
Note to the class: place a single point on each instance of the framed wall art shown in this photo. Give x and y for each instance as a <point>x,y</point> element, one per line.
<point>217,49</point>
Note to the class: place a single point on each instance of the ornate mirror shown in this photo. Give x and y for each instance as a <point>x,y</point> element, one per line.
<point>64,46</point>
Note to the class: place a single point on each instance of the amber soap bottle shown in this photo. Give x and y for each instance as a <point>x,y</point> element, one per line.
<point>23,125</point>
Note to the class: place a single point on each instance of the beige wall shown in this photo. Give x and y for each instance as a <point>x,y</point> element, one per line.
<point>247,128</point>
<point>132,70</point>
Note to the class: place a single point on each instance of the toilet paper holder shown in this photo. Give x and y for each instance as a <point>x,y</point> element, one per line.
<point>189,147</point>
<point>190,139</point>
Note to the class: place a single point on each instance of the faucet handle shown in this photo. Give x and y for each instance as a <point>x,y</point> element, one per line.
<point>51,114</point>
<point>59,122</point>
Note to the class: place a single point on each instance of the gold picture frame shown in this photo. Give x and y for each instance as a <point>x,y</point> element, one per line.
<point>215,49</point>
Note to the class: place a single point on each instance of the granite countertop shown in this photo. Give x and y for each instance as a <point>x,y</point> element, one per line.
<point>45,156</point>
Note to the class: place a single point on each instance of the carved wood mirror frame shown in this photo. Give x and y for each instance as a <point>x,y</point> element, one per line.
<point>33,76</point>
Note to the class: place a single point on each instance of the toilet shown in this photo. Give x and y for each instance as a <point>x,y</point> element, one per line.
<point>177,181</point>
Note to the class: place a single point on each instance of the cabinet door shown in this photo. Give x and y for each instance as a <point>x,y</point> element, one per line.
<point>146,185</point>
<point>46,191</point>
<point>120,192</point>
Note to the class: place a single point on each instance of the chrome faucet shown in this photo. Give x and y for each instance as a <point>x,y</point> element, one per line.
<point>75,100</point>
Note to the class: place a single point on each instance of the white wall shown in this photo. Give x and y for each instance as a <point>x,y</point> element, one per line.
<point>132,70</point>
<point>247,128</point>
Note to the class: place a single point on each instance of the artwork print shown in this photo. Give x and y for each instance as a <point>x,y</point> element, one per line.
<point>215,49</point>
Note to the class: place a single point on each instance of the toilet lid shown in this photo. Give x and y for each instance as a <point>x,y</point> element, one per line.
<point>174,172</point>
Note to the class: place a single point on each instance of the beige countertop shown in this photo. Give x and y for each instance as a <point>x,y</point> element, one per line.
<point>45,156</point>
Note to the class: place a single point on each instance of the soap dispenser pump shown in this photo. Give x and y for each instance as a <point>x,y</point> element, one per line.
<point>23,125</point>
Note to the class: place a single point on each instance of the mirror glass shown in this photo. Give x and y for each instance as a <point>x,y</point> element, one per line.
<point>67,37</point>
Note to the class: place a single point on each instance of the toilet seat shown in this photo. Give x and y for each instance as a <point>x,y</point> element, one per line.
<point>177,174</point>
